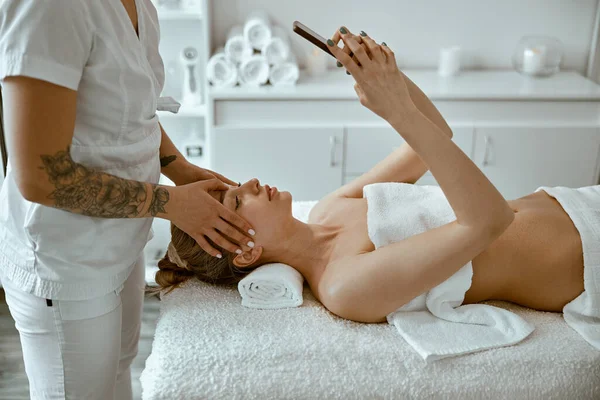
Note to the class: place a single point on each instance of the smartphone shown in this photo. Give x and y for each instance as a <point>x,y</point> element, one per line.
<point>312,37</point>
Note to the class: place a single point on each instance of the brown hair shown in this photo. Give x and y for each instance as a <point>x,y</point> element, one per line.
<point>198,264</point>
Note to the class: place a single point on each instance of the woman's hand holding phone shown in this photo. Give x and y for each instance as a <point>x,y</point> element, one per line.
<point>380,85</point>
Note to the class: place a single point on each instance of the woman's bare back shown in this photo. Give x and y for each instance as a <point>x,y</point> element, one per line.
<point>537,262</point>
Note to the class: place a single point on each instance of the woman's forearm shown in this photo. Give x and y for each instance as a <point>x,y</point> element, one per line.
<point>458,176</point>
<point>172,162</point>
<point>423,104</point>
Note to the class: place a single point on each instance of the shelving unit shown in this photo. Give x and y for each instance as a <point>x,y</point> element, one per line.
<point>179,15</point>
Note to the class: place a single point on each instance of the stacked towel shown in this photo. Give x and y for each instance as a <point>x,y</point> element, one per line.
<point>257,29</point>
<point>237,47</point>
<point>221,71</point>
<point>276,285</point>
<point>260,52</point>
<point>435,323</point>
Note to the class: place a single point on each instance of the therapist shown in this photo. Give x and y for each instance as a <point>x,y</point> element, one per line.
<point>81,80</point>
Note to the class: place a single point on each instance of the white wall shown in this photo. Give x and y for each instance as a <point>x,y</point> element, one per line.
<point>487,29</point>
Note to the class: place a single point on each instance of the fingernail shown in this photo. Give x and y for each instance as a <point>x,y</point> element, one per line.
<point>363,33</point>
<point>384,43</point>
<point>251,245</point>
<point>219,256</point>
<point>251,231</point>
<point>348,73</point>
<point>343,30</point>
<point>339,64</point>
<point>238,251</point>
<point>330,42</point>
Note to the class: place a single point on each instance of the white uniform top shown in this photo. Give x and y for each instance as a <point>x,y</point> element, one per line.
<point>89,46</point>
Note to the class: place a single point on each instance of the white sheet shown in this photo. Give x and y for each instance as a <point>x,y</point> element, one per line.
<point>207,346</point>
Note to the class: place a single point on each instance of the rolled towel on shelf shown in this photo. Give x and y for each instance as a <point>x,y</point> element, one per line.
<point>254,71</point>
<point>221,71</point>
<point>285,73</point>
<point>237,47</point>
<point>257,29</point>
<point>277,49</point>
<point>272,286</point>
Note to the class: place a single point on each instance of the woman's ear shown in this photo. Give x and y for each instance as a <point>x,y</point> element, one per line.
<point>248,258</point>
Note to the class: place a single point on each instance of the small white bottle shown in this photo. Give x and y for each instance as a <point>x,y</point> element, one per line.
<point>194,147</point>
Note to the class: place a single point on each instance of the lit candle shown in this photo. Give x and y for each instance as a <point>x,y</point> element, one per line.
<point>534,60</point>
<point>316,63</point>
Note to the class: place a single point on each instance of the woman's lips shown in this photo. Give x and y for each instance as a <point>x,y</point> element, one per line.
<point>271,191</point>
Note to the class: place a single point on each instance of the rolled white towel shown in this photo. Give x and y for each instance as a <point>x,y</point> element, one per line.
<point>254,71</point>
<point>257,29</point>
<point>221,71</point>
<point>272,286</point>
<point>237,47</point>
<point>277,49</point>
<point>285,73</point>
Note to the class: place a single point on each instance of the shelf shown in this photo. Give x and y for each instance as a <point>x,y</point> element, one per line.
<point>185,112</point>
<point>469,85</point>
<point>178,15</point>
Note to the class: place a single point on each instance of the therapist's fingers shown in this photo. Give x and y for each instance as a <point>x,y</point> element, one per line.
<point>221,241</point>
<point>237,221</point>
<point>206,246</point>
<point>359,51</point>
<point>235,235</point>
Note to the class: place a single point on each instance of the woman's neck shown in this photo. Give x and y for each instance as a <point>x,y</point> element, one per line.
<point>306,247</point>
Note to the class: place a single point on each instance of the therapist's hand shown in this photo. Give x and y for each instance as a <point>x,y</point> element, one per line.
<point>197,213</point>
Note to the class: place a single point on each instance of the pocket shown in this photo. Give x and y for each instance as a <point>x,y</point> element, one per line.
<point>87,309</point>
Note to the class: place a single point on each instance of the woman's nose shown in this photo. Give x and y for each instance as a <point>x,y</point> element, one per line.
<point>253,185</point>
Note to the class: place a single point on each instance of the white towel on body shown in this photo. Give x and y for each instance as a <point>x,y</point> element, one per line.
<point>272,286</point>
<point>257,29</point>
<point>237,48</point>
<point>435,323</point>
<point>276,285</point>
<point>221,71</point>
<point>583,207</point>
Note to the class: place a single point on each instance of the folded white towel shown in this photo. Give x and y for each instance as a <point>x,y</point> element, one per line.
<point>221,71</point>
<point>272,286</point>
<point>254,71</point>
<point>237,47</point>
<point>284,73</point>
<point>435,323</point>
<point>276,285</point>
<point>277,48</point>
<point>257,29</point>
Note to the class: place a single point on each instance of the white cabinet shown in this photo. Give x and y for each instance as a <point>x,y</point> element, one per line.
<point>519,159</point>
<point>307,162</point>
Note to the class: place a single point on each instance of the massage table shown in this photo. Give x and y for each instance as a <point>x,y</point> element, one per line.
<point>207,346</point>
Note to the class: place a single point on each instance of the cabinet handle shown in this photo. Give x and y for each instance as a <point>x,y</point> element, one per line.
<point>486,152</point>
<point>332,146</point>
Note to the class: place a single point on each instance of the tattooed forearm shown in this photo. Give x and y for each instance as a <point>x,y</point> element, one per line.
<point>165,161</point>
<point>82,190</point>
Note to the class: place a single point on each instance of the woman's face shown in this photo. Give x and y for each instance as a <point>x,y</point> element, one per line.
<point>264,207</point>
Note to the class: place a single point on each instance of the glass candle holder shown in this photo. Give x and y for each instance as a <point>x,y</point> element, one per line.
<point>538,55</point>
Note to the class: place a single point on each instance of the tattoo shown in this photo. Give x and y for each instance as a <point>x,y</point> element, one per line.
<point>164,161</point>
<point>97,194</point>
<point>160,197</point>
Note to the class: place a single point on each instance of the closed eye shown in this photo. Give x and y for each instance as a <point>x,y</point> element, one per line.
<point>237,202</point>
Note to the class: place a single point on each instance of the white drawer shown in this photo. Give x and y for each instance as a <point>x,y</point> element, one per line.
<point>367,146</point>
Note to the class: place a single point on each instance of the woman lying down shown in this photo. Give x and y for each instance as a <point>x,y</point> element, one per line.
<point>378,243</point>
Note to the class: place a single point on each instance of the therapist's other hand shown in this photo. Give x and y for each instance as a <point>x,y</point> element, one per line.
<point>380,85</point>
<point>198,214</point>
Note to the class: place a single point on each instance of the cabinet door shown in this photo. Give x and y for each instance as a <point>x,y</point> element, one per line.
<point>307,162</point>
<point>520,159</point>
<point>366,146</point>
